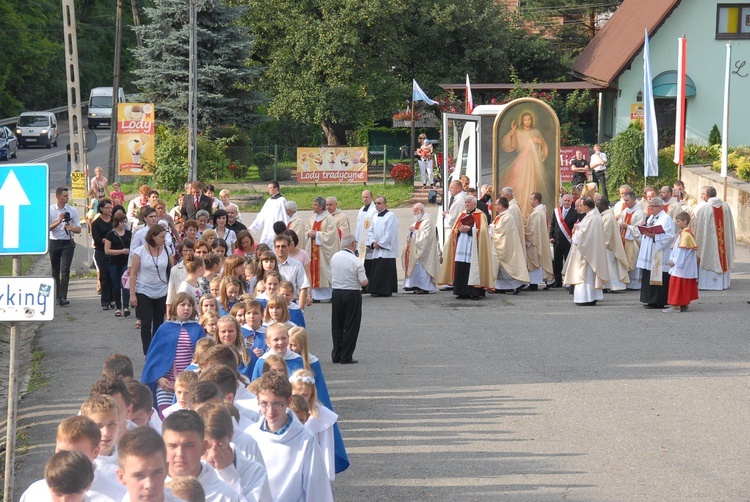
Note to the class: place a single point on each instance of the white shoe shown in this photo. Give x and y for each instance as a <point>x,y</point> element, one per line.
<point>671,310</point>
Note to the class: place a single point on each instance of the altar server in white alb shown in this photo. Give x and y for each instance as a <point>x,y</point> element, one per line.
<point>383,240</point>
<point>713,226</point>
<point>294,461</point>
<point>365,216</point>
<point>630,218</point>
<point>420,258</point>
<point>274,209</point>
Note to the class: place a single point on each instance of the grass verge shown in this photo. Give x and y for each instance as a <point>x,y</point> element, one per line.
<point>39,378</point>
<point>6,264</point>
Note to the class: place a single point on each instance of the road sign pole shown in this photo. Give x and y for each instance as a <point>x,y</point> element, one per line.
<point>10,429</point>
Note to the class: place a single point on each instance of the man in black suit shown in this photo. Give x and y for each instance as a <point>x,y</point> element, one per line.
<point>561,234</point>
<point>195,201</point>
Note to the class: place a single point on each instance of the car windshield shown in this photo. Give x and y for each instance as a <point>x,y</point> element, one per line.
<point>101,102</point>
<point>33,121</point>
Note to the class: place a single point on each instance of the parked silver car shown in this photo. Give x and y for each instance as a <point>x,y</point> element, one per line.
<point>8,144</point>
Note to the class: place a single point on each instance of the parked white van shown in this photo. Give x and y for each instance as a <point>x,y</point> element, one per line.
<point>37,128</point>
<point>100,106</point>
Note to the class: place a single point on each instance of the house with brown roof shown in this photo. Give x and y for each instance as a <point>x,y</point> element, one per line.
<point>614,60</point>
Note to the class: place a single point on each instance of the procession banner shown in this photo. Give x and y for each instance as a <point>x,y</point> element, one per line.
<point>135,138</point>
<point>332,164</point>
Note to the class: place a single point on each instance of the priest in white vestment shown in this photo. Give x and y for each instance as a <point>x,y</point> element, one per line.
<point>538,251</point>
<point>274,209</point>
<point>420,258</point>
<point>617,262</point>
<point>342,222</point>
<point>587,267</point>
<point>296,223</point>
<point>323,243</point>
<point>508,253</point>
<point>713,227</point>
<point>630,218</point>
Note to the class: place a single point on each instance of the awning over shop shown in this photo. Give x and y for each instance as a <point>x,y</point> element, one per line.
<point>665,85</point>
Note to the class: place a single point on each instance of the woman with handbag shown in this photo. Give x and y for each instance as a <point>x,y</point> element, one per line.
<point>117,248</point>
<point>149,273</point>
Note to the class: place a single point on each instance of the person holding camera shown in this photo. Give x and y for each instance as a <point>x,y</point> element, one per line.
<point>64,222</point>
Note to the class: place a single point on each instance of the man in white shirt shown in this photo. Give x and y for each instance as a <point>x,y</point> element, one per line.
<point>348,278</point>
<point>64,223</point>
<point>598,164</point>
<point>290,269</point>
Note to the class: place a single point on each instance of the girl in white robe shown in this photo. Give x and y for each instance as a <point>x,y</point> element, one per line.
<point>321,420</point>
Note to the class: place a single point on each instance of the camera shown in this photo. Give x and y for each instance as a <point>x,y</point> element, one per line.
<point>66,216</point>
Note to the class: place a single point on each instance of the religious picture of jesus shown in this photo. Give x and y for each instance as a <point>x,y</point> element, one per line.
<point>527,150</point>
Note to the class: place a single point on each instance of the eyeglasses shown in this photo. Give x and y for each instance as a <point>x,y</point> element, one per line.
<point>275,406</point>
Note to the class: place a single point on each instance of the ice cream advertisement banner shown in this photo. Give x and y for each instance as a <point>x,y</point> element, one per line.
<point>135,138</point>
<point>332,164</point>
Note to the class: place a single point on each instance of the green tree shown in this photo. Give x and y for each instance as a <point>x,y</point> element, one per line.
<point>571,23</point>
<point>225,95</point>
<point>339,64</point>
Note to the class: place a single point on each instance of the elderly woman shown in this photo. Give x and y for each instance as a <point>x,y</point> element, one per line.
<point>148,272</point>
<point>202,218</point>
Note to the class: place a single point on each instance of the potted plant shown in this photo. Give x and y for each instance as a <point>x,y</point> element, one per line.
<point>401,173</point>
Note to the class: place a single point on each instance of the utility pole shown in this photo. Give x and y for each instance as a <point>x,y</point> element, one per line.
<point>75,120</point>
<point>193,93</point>
<point>112,171</point>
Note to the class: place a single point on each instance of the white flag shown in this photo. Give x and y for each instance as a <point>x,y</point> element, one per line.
<point>651,137</point>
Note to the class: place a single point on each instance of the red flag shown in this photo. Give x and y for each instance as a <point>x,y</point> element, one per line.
<point>469,99</point>
<point>679,140</point>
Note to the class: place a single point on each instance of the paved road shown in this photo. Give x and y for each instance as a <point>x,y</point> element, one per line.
<point>57,158</point>
<point>521,398</point>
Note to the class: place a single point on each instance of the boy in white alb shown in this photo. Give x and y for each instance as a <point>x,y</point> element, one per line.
<point>79,434</point>
<point>67,477</point>
<point>105,413</point>
<point>247,477</point>
<point>184,436</point>
<point>143,466</point>
<point>294,462</point>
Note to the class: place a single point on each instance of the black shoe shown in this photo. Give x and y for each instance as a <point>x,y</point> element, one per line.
<point>350,361</point>
<point>105,307</point>
<point>63,302</point>
<point>587,304</point>
<point>547,286</point>
<point>517,290</point>
<point>126,312</point>
<point>335,361</point>
<point>653,306</point>
<point>533,287</point>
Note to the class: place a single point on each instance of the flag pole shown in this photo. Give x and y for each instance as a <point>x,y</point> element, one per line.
<point>725,123</point>
<point>413,147</point>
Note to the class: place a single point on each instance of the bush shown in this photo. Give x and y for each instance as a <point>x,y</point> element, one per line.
<point>401,172</point>
<point>172,169</point>
<point>738,161</point>
<point>267,174</point>
<point>714,137</point>
<point>625,165</point>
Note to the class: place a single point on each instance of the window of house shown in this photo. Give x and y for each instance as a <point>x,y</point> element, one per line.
<point>733,21</point>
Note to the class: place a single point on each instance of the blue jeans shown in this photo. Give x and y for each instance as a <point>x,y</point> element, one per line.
<point>120,295</point>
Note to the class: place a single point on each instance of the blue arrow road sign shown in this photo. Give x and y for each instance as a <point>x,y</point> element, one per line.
<point>24,209</point>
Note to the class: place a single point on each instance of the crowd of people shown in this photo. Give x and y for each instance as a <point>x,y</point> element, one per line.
<point>666,244</point>
<point>206,295</point>
<point>231,404</point>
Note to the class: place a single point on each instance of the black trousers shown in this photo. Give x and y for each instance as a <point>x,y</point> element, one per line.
<point>61,257</point>
<point>601,180</point>
<point>102,264</point>
<point>561,253</point>
<point>461,286</point>
<point>654,295</point>
<point>151,312</point>
<point>346,317</point>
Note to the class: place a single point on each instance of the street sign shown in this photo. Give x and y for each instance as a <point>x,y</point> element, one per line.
<point>24,209</point>
<point>27,299</point>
